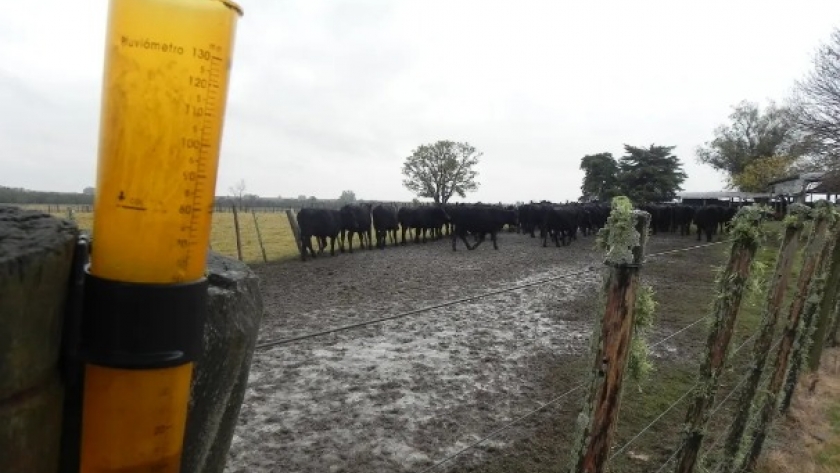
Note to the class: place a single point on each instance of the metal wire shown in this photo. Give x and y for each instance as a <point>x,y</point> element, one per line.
<point>675,403</point>
<point>285,341</point>
<point>653,422</point>
<point>660,342</point>
<point>502,429</point>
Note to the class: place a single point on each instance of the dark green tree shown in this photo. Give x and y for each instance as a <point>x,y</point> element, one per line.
<point>440,170</point>
<point>650,174</point>
<point>600,178</point>
<point>752,134</point>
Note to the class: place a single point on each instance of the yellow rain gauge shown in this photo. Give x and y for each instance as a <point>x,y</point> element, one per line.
<point>164,91</point>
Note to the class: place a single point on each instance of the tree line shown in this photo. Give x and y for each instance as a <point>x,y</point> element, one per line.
<point>761,144</point>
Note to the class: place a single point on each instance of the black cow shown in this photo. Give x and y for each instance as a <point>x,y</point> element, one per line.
<point>321,224</point>
<point>356,220</point>
<point>559,223</point>
<point>423,220</point>
<point>531,217</point>
<point>683,214</point>
<point>707,219</point>
<point>477,220</point>
<point>384,223</point>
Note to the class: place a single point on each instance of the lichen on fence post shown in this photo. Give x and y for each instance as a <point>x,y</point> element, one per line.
<point>776,291</point>
<point>767,408</point>
<point>827,304</point>
<point>807,323</point>
<point>624,239</point>
<point>746,236</point>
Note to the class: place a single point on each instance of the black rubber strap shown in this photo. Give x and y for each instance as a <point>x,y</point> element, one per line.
<point>142,326</point>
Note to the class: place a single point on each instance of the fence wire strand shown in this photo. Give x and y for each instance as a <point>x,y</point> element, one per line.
<point>502,429</point>
<point>286,341</point>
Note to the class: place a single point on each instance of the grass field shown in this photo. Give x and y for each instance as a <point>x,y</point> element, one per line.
<point>274,228</point>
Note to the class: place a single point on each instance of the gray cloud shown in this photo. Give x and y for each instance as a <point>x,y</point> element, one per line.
<point>333,95</point>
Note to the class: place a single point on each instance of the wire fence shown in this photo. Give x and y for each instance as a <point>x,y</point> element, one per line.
<point>285,341</point>
<point>263,346</point>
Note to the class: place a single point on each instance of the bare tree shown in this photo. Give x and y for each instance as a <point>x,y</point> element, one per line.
<point>442,169</point>
<point>237,191</point>
<point>818,105</point>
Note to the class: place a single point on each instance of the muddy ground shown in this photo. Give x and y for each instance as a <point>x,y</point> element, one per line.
<point>401,395</point>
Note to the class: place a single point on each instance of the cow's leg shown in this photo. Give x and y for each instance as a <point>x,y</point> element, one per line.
<point>350,241</point>
<point>454,241</point>
<point>478,241</point>
<point>493,239</point>
<point>332,245</point>
<point>303,248</point>
<point>466,243</point>
<point>699,231</point>
<point>544,237</point>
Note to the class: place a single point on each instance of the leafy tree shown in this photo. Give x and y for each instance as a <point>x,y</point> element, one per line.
<point>650,174</point>
<point>439,170</point>
<point>301,197</point>
<point>601,177</point>
<point>757,174</point>
<point>817,108</point>
<point>88,191</point>
<point>347,197</point>
<point>751,135</point>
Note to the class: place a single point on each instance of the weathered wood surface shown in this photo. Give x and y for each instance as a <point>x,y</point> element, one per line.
<point>611,346</point>
<point>221,375</point>
<point>731,286</point>
<point>767,406</point>
<point>36,252</point>
<point>777,291</point>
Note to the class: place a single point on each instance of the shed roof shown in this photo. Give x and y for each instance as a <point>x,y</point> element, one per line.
<point>828,184</point>
<point>722,195</point>
<point>805,176</point>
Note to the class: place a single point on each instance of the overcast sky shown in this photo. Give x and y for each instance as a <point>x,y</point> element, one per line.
<point>333,95</point>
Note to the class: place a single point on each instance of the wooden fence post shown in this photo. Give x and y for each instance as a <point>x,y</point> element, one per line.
<point>776,292</point>
<point>259,236</point>
<point>36,258</point>
<point>236,226</point>
<point>624,238</point>
<point>731,284</point>
<point>835,325</point>
<point>290,215</point>
<point>802,344</point>
<point>768,407</point>
<point>827,304</point>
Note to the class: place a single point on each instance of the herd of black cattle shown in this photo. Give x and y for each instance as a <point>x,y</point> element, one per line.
<point>559,223</point>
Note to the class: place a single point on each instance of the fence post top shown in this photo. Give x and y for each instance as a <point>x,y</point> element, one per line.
<point>624,237</point>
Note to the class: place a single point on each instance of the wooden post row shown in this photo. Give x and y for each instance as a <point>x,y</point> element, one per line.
<point>766,409</point>
<point>730,289</point>
<point>776,292</point>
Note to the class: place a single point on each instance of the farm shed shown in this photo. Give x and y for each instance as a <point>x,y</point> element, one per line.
<point>797,186</point>
<point>720,197</point>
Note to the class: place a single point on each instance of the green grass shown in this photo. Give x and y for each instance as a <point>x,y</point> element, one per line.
<point>829,457</point>
<point>275,230</point>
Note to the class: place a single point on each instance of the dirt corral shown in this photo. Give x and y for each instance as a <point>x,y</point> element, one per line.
<point>400,395</point>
